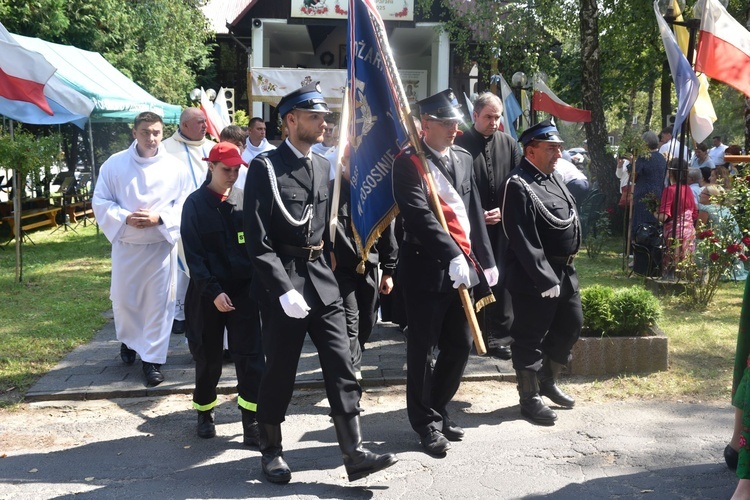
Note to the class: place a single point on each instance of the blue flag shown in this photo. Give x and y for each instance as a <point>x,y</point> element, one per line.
<point>685,82</point>
<point>376,134</point>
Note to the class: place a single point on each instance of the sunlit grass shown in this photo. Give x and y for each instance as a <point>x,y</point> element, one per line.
<point>701,343</point>
<point>56,307</point>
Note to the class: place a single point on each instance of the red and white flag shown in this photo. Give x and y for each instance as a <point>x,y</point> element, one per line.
<point>723,46</point>
<point>214,123</point>
<point>546,100</point>
<point>23,73</point>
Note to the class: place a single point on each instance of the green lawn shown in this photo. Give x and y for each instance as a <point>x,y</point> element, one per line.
<point>701,343</point>
<point>57,306</point>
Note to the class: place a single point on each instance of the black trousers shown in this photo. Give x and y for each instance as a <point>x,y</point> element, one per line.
<point>359,293</point>
<point>283,338</point>
<point>206,342</point>
<point>436,320</point>
<point>545,326</point>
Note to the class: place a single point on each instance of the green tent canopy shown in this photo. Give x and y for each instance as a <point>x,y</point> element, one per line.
<point>116,97</point>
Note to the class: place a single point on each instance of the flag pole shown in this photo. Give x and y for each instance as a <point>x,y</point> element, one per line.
<point>403,104</point>
<point>343,134</point>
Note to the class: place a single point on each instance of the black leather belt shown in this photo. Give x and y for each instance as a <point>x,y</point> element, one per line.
<point>308,253</point>
<point>561,259</point>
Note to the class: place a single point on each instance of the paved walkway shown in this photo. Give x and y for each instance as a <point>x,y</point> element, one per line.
<point>95,371</point>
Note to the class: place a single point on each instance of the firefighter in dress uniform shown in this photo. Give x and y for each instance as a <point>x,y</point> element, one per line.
<point>286,213</point>
<point>540,220</point>
<point>432,263</point>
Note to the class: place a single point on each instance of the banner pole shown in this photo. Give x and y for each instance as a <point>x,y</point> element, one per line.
<point>403,105</point>
<point>343,135</point>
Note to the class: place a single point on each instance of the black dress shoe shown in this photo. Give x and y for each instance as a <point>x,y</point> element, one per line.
<point>451,431</point>
<point>152,373</point>
<point>731,457</point>
<point>501,352</point>
<point>127,355</point>
<point>435,443</point>
<point>178,326</point>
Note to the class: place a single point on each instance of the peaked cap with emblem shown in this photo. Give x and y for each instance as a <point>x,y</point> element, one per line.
<point>441,106</point>
<point>545,131</point>
<point>307,98</point>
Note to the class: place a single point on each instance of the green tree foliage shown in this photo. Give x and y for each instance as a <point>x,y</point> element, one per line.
<point>160,44</point>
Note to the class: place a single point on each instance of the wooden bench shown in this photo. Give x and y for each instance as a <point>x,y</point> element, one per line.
<point>47,216</point>
<point>79,209</point>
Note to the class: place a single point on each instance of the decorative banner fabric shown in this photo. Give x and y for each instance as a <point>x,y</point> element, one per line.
<point>271,84</point>
<point>376,132</point>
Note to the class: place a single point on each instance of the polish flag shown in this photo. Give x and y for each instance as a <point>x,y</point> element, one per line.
<point>23,74</point>
<point>723,46</point>
<point>214,123</point>
<point>546,100</point>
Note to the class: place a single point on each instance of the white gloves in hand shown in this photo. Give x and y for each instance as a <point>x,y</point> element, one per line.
<point>294,304</point>
<point>552,292</point>
<point>492,275</point>
<point>458,270</point>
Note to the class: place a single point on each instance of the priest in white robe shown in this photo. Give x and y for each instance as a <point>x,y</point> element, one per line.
<point>190,145</point>
<point>138,204</point>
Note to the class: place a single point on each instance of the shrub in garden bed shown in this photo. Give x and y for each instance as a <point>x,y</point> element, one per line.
<point>622,312</point>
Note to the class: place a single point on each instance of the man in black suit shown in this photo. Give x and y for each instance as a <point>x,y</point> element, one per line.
<point>287,204</point>
<point>432,263</point>
<point>540,221</point>
<point>495,154</point>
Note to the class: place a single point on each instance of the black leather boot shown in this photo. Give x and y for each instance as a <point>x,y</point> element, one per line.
<point>532,406</point>
<point>206,428</point>
<point>548,377</point>
<point>358,461</point>
<point>250,430</point>
<point>272,460</point>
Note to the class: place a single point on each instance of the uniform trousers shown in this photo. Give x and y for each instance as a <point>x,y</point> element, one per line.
<point>206,341</point>
<point>496,318</point>
<point>283,338</point>
<point>546,326</point>
<point>359,293</point>
<point>436,320</point>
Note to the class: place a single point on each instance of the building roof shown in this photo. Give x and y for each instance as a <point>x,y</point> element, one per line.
<point>222,12</point>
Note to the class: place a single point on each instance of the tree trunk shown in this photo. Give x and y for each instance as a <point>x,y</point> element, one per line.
<point>602,162</point>
<point>649,107</point>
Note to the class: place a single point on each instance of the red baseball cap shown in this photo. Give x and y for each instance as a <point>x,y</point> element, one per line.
<point>226,153</point>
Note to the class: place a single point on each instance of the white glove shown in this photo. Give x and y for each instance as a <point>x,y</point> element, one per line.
<point>294,304</point>
<point>552,292</point>
<point>492,275</point>
<point>458,270</point>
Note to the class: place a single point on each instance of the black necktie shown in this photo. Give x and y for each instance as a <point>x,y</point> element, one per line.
<point>307,162</point>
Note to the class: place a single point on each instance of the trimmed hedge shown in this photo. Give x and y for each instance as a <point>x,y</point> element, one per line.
<point>624,312</point>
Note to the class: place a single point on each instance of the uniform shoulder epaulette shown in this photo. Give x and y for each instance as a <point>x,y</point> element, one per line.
<point>458,149</point>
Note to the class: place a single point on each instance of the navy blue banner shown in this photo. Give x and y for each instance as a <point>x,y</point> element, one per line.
<point>376,134</point>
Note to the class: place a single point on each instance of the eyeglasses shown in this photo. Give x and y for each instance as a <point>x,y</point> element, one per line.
<point>446,123</point>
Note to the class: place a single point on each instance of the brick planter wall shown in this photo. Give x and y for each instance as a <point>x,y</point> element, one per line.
<point>611,355</point>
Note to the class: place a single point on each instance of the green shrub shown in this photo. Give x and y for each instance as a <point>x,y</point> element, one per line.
<point>634,310</point>
<point>596,302</point>
<point>623,312</point>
